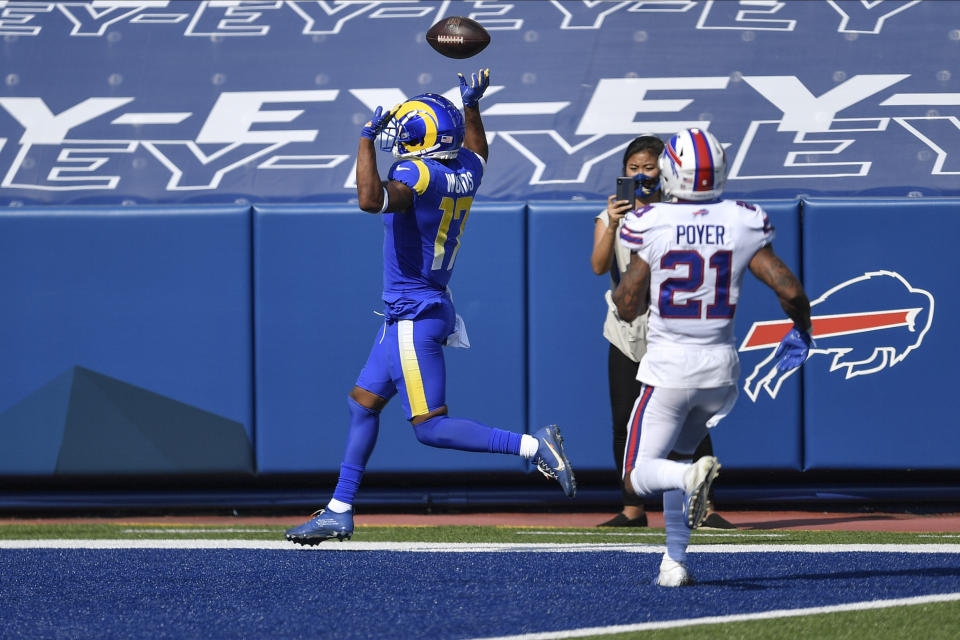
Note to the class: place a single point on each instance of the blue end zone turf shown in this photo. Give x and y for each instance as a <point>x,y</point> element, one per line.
<point>268,594</point>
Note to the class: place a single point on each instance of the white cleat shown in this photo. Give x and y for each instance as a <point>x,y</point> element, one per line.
<point>673,573</point>
<point>697,481</point>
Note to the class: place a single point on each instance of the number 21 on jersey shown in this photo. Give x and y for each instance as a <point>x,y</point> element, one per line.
<point>721,269</point>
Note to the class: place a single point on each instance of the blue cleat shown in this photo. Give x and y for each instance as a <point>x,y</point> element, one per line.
<point>323,525</point>
<point>552,461</point>
<point>697,481</point>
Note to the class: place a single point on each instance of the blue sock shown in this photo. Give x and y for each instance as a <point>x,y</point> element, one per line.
<point>364,428</point>
<point>502,441</point>
<point>466,435</point>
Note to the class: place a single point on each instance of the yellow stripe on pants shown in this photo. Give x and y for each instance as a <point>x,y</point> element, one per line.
<point>411,369</point>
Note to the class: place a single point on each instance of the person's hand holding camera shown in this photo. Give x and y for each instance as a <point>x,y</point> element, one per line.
<point>616,209</point>
<point>619,204</point>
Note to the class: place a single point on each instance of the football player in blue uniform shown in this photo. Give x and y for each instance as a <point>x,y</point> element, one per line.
<point>425,202</point>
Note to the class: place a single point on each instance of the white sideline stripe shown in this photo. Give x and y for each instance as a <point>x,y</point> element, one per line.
<point>196,530</point>
<point>452,547</point>
<point>738,617</point>
<point>649,534</point>
<point>825,548</point>
<point>331,545</point>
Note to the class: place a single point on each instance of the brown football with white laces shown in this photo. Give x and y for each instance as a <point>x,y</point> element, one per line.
<point>458,37</point>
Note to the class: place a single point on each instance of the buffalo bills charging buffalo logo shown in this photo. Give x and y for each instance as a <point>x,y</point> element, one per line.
<point>861,327</point>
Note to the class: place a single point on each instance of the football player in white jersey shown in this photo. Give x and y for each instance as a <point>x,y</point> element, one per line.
<point>689,256</point>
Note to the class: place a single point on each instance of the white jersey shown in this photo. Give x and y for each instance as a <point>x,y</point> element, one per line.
<point>698,254</point>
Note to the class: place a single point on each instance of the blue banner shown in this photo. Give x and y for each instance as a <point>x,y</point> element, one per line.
<point>159,101</point>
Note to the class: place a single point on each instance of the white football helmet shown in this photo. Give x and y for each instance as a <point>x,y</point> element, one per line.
<point>693,166</point>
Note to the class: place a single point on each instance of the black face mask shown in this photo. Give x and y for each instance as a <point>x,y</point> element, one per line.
<point>646,185</point>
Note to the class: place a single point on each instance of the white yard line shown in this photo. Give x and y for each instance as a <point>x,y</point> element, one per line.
<point>484,547</point>
<point>200,530</point>
<point>648,534</point>
<point>739,617</point>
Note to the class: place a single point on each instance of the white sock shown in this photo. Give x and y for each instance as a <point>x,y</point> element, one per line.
<point>338,507</point>
<point>655,475</point>
<point>528,446</point>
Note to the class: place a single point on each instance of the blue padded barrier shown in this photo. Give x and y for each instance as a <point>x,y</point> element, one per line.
<point>764,430</point>
<point>877,394</point>
<point>566,347</point>
<point>317,290</point>
<point>127,331</point>
<point>568,354</point>
<point>126,341</point>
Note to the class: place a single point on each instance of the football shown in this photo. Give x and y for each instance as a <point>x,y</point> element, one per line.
<point>458,37</point>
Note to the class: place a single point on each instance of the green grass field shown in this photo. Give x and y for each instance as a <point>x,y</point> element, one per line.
<point>924,622</point>
<point>466,534</point>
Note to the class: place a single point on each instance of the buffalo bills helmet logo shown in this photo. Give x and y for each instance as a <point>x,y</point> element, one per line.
<point>862,326</point>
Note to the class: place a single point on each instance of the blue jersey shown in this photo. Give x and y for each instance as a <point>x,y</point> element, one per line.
<point>420,245</point>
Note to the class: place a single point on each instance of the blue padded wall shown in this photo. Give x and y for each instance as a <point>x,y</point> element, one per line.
<point>114,316</point>
<point>566,347</point>
<point>568,353</point>
<point>318,283</point>
<point>316,289</point>
<point>245,330</point>
<point>764,430</point>
<point>877,394</point>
